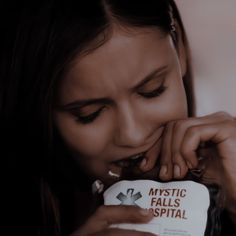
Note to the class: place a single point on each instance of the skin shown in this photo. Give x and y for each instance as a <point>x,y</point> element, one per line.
<point>131,123</point>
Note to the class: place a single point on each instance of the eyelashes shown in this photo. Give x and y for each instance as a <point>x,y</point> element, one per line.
<point>89,118</point>
<point>86,119</point>
<point>154,93</point>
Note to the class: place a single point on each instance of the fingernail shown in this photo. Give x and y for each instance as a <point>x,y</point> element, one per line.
<point>143,163</point>
<point>176,171</point>
<point>189,165</point>
<point>163,170</point>
<point>144,212</point>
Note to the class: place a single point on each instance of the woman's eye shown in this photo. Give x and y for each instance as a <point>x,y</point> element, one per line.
<point>153,93</point>
<point>85,119</point>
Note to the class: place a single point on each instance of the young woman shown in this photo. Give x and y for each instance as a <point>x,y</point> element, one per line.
<point>90,90</point>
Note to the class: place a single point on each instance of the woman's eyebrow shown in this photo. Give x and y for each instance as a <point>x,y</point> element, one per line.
<point>150,76</point>
<point>85,102</point>
<point>105,100</point>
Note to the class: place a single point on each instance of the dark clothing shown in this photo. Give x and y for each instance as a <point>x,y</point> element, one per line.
<point>228,227</point>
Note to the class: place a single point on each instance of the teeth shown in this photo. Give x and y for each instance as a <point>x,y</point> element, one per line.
<point>136,156</point>
<point>133,160</point>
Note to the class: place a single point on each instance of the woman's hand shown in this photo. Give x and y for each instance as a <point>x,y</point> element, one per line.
<point>181,142</point>
<point>99,222</point>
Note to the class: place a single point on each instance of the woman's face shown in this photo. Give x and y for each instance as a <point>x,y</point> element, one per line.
<point>117,99</point>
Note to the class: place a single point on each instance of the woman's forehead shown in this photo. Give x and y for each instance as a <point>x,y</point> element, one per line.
<point>125,51</point>
<point>118,64</point>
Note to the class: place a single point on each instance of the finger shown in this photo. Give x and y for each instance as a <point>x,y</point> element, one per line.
<point>180,164</point>
<point>215,117</point>
<point>123,214</point>
<point>165,161</point>
<point>107,215</point>
<point>150,160</point>
<point>216,133</point>
<point>122,232</point>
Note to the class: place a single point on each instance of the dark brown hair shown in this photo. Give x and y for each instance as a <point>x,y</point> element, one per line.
<point>41,39</point>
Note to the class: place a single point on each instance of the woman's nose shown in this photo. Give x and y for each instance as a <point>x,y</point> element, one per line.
<point>132,130</point>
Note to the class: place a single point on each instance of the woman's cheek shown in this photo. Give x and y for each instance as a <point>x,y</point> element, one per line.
<point>87,139</point>
<point>91,140</point>
<point>86,144</point>
<point>171,106</point>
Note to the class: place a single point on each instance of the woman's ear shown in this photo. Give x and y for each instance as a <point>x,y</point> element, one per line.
<point>177,36</point>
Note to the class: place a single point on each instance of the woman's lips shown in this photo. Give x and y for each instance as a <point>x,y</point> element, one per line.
<point>130,161</point>
<point>136,159</point>
<point>134,162</point>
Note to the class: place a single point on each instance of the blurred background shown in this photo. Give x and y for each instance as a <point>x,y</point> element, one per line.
<point>211,29</point>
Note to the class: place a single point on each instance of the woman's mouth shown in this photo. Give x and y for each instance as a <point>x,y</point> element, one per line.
<point>130,161</point>
<point>139,163</point>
